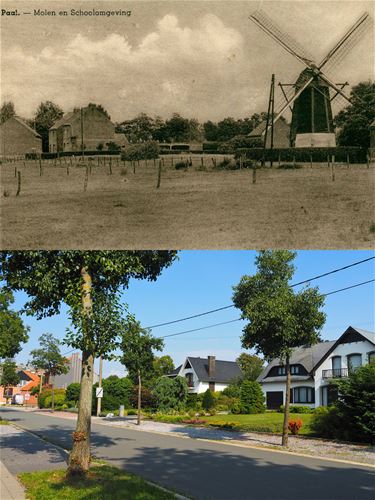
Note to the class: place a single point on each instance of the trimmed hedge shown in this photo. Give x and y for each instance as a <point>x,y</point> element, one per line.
<point>356,155</point>
<point>44,398</point>
<point>95,152</point>
<point>145,151</point>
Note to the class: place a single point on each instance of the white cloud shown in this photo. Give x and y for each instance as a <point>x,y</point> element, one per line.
<point>174,68</point>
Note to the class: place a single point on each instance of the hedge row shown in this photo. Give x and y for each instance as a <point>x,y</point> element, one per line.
<point>342,154</point>
<point>51,156</point>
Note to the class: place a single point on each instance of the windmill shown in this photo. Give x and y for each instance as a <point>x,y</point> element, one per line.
<point>311,95</point>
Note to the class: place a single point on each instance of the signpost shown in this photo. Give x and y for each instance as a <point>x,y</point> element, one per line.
<point>99,392</point>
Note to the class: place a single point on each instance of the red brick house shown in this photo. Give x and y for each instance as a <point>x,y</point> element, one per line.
<point>17,138</point>
<point>21,392</point>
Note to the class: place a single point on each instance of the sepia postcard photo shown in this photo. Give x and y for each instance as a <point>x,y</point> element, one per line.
<point>187,124</point>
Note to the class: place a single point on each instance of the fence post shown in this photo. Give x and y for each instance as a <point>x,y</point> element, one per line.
<point>159,176</point>
<point>86,178</point>
<point>279,160</point>
<point>347,159</point>
<point>18,183</point>
<point>333,168</point>
<point>368,160</point>
<point>254,173</point>
<point>310,161</point>
<point>133,166</point>
<point>15,171</point>
<point>202,161</point>
<point>40,168</point>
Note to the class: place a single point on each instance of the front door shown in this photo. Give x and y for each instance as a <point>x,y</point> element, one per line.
<point>274,399</point>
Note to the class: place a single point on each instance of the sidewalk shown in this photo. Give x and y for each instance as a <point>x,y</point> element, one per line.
<point>22,451</point>
<point>10,488</point>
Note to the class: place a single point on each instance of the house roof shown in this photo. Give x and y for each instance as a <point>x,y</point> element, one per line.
<point>260,129</point>
<point>25,125</point>
<point>312,356</point>
<point>32,383</point>
<point>225,371</point>
<point>175,372</point>
<point>64,120</point>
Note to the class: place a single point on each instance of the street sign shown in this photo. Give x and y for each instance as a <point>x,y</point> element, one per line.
<point>27,396</point>
<point>99,392</point>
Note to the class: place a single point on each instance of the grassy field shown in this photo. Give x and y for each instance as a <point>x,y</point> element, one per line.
<point>102,482</point>
<point>197,208</point>
<point>264,422</point>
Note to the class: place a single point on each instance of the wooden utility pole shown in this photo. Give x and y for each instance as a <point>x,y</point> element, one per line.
<point>270,113</point>
<point>82,133</point>
<point>99,400</point>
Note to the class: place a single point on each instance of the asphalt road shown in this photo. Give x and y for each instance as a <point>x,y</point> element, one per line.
<point>206,470</point>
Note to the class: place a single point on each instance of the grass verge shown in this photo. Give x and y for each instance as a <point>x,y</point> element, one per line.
<point>103,481</point>
<point>3,422</point>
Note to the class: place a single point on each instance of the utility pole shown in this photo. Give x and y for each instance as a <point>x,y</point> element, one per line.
<point>82,132</point>
<point>99,400</point>
<point>270,113</point>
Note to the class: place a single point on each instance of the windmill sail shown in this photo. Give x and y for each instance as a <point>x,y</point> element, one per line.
<point>312,118</point>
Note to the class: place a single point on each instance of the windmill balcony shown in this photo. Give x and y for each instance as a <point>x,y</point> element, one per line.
<point>335,373</point>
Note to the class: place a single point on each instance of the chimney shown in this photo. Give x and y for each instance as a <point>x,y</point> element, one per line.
<point>211,366</point>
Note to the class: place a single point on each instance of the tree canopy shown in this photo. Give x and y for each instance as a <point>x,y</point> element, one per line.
<point>13,331</point>
<point>250,364</point>
<point>45,116</point>
<point>355,119</point>
<point>9,374</point>
<point>48,357</point>
<point>7,111</point>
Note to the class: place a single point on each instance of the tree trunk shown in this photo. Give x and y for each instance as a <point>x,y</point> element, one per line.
<point>52,395</point>
<point>80,456</point>
<point>139,398</point>
<point>286,406</point>
<point>41,383</point>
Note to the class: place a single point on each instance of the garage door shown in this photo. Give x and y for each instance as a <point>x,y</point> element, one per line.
<point>274,399</point>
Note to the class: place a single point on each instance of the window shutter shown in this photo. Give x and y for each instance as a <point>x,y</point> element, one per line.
<point>291,395</point>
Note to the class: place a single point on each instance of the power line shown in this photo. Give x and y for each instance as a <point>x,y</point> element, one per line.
<point>239,319</point>
<point>232,305</point>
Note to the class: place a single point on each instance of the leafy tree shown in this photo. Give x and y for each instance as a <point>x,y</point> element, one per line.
<point>72,392</point>
<point>116,391</point>
<point>7,111</point>
<point>88,282</point>
<point>13,331</point>
<point>171,393</point>
<point>50,359</point>
<point>45,116</point>
<point>251,365</point>
<point>279,319</point>
<point>178,128</point>
<point>137,345</point>
<point>208,401</point>
<point>355,119</point>
<point>162,365</point>
<point>9,376</point>
<point>147,397</point>
<point>233,390</point>
<point>210,131</point>
<point>251,397</point>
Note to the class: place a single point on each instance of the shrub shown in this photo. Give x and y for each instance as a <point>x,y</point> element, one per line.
<point>251,397</point>
<point>72,392</point>
<point>326,422</point>
<point>59,399</point>
<point>208,400</point>
<point>297,409</point>
<point>116,391</point>
<point>194,421</point>
<point>236,408</point>
<point>132,412</point>
<point>294,426</point>
<point>47,393</point>
<point>225,403</point>
<point>145,151</point>
<point>147,398</point>
<point>232,390</point>
<point>181,165</point>
<point>171,393</point>
<point>112,146</point>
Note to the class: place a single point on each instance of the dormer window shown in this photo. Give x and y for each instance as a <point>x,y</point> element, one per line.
<point>294,369</point>
<point>281,370</point>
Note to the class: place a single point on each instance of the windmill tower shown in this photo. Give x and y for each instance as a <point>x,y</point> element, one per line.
<point>312,93</point>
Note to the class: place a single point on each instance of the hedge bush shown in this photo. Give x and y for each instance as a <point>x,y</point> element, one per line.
<point>171,393</point>
<point>356,155</point>
<point>251,397</point>
<point>297,409</point>
<point>208,400</point>
<point>73,391</point>
<point>144,151</point>
<point>45,397</point>
<point>116,391</point>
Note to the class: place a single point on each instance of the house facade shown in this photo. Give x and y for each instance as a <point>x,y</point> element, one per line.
<point>313,368</point>
<point>18,139</point>
<point>207,373</point>
<point>83,128</point>
<point>20,393</point>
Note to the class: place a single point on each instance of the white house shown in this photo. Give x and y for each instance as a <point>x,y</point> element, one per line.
<point>207,373</point>
<point>314,367</point>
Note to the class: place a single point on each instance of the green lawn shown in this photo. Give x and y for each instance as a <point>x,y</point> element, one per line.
<point>3,422</point>
<point>263,422</point>
<point>102,481</point>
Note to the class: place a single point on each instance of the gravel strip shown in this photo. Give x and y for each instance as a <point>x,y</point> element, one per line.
<point>318,447</point>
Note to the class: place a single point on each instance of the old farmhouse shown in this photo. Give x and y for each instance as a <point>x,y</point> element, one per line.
<point>83,129</point>
<point>18,139</point>
<point>207,373</point>
<point>314,367</point>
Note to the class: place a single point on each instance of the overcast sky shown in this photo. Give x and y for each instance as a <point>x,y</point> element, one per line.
<point>202,59</point>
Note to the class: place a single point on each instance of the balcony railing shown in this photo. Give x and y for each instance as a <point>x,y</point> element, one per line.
<point>335,373</point>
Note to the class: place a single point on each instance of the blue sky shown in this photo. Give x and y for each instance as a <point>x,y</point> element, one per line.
<point>203,280</point>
